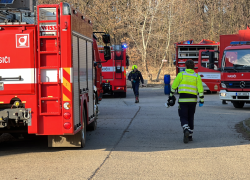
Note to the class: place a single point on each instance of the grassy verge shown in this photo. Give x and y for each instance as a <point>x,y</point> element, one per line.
<point>240,129</point>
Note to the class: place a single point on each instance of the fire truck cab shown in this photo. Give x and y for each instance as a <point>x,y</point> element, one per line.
<point>235,68</point>
<point>47,75</point>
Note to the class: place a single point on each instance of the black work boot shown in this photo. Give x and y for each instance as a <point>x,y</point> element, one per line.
<point>190,138</point>
<point>136,99</point>
<point>186,136</point>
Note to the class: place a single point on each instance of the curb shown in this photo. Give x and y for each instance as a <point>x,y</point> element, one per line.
<point>246,127</point>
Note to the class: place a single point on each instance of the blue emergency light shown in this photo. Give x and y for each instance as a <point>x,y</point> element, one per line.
<point>124,46</point>
<point>6,1</point>
<point>234,43</point>
<point>230,84</point>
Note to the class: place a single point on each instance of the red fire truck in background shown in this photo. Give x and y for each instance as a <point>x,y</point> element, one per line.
<point>189,50</point>
<point>114,71</point>
<point>47,73</point>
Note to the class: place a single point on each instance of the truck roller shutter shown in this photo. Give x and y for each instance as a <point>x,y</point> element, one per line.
<point>76,94</point>
<point>90,78</point>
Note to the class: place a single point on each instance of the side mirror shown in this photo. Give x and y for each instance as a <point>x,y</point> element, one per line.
<point>211,60</point>
<point>107,53</point>
<point>106,38</point>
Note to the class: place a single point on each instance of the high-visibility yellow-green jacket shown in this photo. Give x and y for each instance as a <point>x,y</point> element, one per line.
<point>189,85</point>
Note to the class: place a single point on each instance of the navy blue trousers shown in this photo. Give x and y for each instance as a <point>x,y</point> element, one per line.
<point>186,112</point>
<point>135,87</point>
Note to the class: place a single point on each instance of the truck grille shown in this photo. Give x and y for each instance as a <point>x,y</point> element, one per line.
<point>236,84</point>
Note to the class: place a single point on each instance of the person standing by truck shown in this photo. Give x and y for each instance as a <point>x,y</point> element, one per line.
<point>189,85</point>
<point>135,77</point>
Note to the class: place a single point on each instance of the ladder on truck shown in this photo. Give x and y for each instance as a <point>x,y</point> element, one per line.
<point>49,60</point>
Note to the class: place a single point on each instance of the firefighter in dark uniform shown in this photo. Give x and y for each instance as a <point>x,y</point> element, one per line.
<point>189,85</point>
<point>135,77</point>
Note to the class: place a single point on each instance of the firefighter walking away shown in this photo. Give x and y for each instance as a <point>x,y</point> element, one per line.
<point>135,77</point>
<point>189,85</point>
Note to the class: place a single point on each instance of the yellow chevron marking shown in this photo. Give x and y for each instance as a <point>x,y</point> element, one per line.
<point>67,70</point>
<point>67,84</point>
<point>65,98</point>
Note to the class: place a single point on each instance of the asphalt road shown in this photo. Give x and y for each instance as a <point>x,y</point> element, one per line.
<point>139,141</point>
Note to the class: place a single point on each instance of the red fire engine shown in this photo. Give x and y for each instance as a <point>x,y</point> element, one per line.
<point>235,68</point>
<point>114,71</point>
<point>189,50</point>
<point>46,75</point>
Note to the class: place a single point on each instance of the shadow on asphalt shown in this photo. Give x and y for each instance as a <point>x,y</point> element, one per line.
<point>170,139</point>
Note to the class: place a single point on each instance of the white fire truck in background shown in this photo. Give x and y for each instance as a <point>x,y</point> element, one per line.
<point>46,72</point>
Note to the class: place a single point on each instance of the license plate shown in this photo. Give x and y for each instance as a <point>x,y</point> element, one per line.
<point>242,94</point>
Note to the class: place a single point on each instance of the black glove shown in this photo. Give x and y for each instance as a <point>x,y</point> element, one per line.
<point>171,101</point>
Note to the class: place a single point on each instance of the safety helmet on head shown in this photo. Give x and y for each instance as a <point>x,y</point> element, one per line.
<point>134,67</point>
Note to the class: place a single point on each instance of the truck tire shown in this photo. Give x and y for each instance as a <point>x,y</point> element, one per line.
<point>83,131</point>
<point>238,104</point>
<point>92,126</point>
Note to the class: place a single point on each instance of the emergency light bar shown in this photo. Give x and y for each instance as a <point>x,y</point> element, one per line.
<point>235,43</point>
<point>124,46</point>
<point>6,1</point>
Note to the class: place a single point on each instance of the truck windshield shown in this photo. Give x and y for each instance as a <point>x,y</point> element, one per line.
<point>238,60</point>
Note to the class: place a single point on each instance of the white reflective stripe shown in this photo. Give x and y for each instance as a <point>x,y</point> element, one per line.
<point>35,75</point>
<point>187,100</point>
<point>27,75</point>
<point>201,94</point>
<point>110,69</point>
<point>185,85</point>
<point>48,75</point>
<point>185,125</point>
<point>194,74</point>
<point>187,90</point>
<point>107,69</point>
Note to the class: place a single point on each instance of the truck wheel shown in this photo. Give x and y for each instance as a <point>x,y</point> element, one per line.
<point>83,131</point>
<point>92,126</point>
<point>238,104</point>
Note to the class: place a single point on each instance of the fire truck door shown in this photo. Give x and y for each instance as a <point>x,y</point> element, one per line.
<point>17,61</point>
<point>210,77</point>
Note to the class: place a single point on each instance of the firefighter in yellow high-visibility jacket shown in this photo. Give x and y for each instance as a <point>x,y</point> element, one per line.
<point>189,85</point>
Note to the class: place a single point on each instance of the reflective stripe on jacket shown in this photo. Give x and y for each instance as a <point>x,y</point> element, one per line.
<point>188,82</point>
